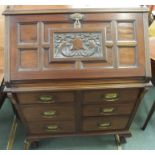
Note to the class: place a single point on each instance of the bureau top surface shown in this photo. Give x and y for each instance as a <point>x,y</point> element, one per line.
<point>45,9</point>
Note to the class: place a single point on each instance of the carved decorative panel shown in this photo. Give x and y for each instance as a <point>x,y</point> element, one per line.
<point>109,63</point>
<point>55,65</point>
<point>73,45</point>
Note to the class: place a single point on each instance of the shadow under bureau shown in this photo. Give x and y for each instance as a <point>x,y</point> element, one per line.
<point>75,71</point>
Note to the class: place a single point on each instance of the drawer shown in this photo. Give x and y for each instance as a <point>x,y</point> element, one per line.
<point>39,112</point>
<point>45,97</point>
<point>51,127</point>
<point>105,123</point>
<point>110,109</point>
<point>110,96</point>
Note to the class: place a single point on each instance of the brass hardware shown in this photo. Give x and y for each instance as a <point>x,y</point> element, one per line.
<point>111,97</point>
<point>104,125</point>
<point>49,114</point>
<point>107,110</point>
<point>77,17</point>
<point>52,128</point>
<point>46,98</point>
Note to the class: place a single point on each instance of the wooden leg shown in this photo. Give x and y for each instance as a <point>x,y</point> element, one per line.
<point>121,139</point>
<point>118,142</point>
<point>149,116</point>
<point>34,145</point>
<point>27,144</point>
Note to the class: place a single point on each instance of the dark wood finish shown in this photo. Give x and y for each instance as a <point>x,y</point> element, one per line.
<point>75,71</point>
<point>52,127</point>
<point>105,123</point>
<point>48,112</point>
<point>101,96</point>
<point>31,64</point>
<point>46,97</point>
<point>110,109</point>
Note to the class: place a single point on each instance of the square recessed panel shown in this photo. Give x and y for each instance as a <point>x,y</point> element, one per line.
<point>28,59</point>
<point>28,33</point>
<point>125,31</point>
<point>127,56</point>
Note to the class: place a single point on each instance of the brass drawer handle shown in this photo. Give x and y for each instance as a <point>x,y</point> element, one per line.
<point>110,97</point>
<point>104,125</point>
<point>49,114</point>
<point>107,110</point>
<point>46,98</point>
<point>52,128</point>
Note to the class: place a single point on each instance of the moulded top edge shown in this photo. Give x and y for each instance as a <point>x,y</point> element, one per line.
<point>61,9</point>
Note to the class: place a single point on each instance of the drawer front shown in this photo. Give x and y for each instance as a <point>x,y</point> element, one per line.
<point>46,97</point>
<point>105,123</point>
<point>111,96</point>
<point>111,109</point>
<point>51,112</point>
<point>52,127</point>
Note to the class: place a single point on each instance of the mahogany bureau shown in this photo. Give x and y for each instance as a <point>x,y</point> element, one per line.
<point>76,71</point>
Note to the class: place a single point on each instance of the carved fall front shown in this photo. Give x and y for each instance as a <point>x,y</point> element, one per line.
<point>106,46</point>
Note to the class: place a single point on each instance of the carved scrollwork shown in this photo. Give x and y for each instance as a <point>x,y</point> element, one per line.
<point>78,45</point>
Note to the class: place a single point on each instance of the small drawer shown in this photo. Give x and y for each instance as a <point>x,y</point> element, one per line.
<point>52,127</point>
<point>39,112</point>
<point>110,109</point>
<point>110,96</point>
<point>45,97</point>
<point>105,123</point>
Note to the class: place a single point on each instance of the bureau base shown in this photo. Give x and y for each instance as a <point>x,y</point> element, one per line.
<point>32,142</point>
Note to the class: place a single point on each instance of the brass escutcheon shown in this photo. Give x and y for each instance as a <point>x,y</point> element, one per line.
<point>77,17</point>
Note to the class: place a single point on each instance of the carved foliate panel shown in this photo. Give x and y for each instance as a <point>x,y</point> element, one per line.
<point>74,45</point>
